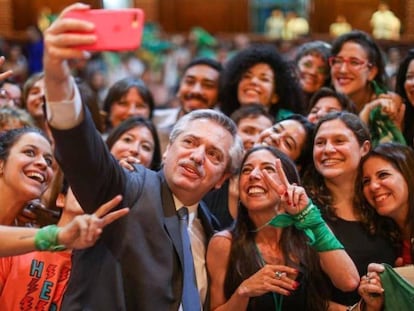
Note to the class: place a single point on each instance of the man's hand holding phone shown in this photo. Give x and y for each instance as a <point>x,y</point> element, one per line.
<point>115,30</point>
<point>71,38</point>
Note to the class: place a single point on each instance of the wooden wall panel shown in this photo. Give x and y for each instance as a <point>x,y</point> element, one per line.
<point>25,12</point>
<point>213,15</point>
<point>150,8</point>
<point>6,18</point>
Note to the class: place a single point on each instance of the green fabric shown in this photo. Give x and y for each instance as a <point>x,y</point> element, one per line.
<point>202,37</point>
<point>398,293</point>
<point>311,222</point>
<point>283,114</point>
<point>382,129</point>
<point>46,239</point>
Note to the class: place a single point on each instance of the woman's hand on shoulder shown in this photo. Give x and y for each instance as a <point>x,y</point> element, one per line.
<point>128,163</point>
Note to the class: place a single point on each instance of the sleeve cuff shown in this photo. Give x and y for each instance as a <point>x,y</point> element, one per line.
<point>65,114</point>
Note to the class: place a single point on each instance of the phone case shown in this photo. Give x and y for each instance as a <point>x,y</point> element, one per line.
<point>116,30</point>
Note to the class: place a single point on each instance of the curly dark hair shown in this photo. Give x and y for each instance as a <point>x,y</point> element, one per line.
<point>286,83</point>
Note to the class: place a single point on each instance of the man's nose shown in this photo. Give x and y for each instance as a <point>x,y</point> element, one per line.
<point>198,154</point>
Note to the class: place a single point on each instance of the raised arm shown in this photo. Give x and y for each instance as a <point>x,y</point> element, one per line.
<point>64,108</point>
<point>333,259</point>
<point>95,176</point>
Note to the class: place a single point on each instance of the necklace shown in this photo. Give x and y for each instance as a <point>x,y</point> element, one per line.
<point>262,226</point>
<point>277,298</point>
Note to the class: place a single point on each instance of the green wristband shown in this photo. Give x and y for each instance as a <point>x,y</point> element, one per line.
<point>311,222</point>
<point>46,239</point>
<point>318,232</point>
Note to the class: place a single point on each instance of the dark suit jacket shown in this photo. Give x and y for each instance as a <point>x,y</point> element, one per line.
<point>137,265</point>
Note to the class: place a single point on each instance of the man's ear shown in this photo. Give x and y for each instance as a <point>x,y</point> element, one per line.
<point>1,167</point>
<point>165,152</point>
<point>221,181</point>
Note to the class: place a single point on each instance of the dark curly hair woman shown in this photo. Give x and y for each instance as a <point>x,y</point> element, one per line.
<point>259,74</point>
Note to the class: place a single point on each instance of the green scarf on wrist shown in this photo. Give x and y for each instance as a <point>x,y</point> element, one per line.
<point>311,222</point>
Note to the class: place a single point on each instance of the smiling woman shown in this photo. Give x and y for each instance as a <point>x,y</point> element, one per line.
<point>128,97</point>
<point>341,140</point>
<point>26,159</point>
<point>259,74</point>
<point>386,182</point>
<point>264,262</point>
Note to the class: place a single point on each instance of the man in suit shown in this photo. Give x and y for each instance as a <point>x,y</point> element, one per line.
<point>145,267</point>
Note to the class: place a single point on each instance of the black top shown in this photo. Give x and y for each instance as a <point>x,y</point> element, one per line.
<point>217,201</point>
<point>363,249</point>
<point>296,301</point>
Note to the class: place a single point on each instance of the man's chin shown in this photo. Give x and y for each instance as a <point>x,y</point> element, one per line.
<point>188,108</point>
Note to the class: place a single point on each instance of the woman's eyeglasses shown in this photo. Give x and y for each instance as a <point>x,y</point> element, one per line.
<point>352,62</point>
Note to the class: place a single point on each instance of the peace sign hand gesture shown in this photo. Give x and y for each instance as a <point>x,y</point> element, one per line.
<point>84,230</point>
<point>292,196</point>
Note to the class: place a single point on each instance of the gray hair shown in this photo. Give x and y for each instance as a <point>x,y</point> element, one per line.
<point>236,150</point>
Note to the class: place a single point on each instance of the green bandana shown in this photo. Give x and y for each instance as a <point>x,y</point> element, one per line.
<point>398,293</point>
<point>381,127</point>
<point>311,222</point>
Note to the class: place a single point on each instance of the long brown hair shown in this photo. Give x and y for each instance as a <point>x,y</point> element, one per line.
<point>244,260</point>
<point>402,159</point>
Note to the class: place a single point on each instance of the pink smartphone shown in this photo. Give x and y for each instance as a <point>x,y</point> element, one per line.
<point>116,30</point>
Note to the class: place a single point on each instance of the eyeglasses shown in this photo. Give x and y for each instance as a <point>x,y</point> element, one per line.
<point>5,97</point>
<point>352,62</point>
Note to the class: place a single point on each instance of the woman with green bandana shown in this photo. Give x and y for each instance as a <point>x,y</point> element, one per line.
<point>276,255</point>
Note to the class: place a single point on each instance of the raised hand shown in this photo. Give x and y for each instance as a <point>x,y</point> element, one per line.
<point>60,39</point>
<point>64,34</point>
<point>293,196</point>
<point>391,105</point>
<point>84,230</point>
<point>6,74</point>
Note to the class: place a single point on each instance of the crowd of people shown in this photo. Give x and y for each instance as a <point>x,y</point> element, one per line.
<point>274,182</point>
